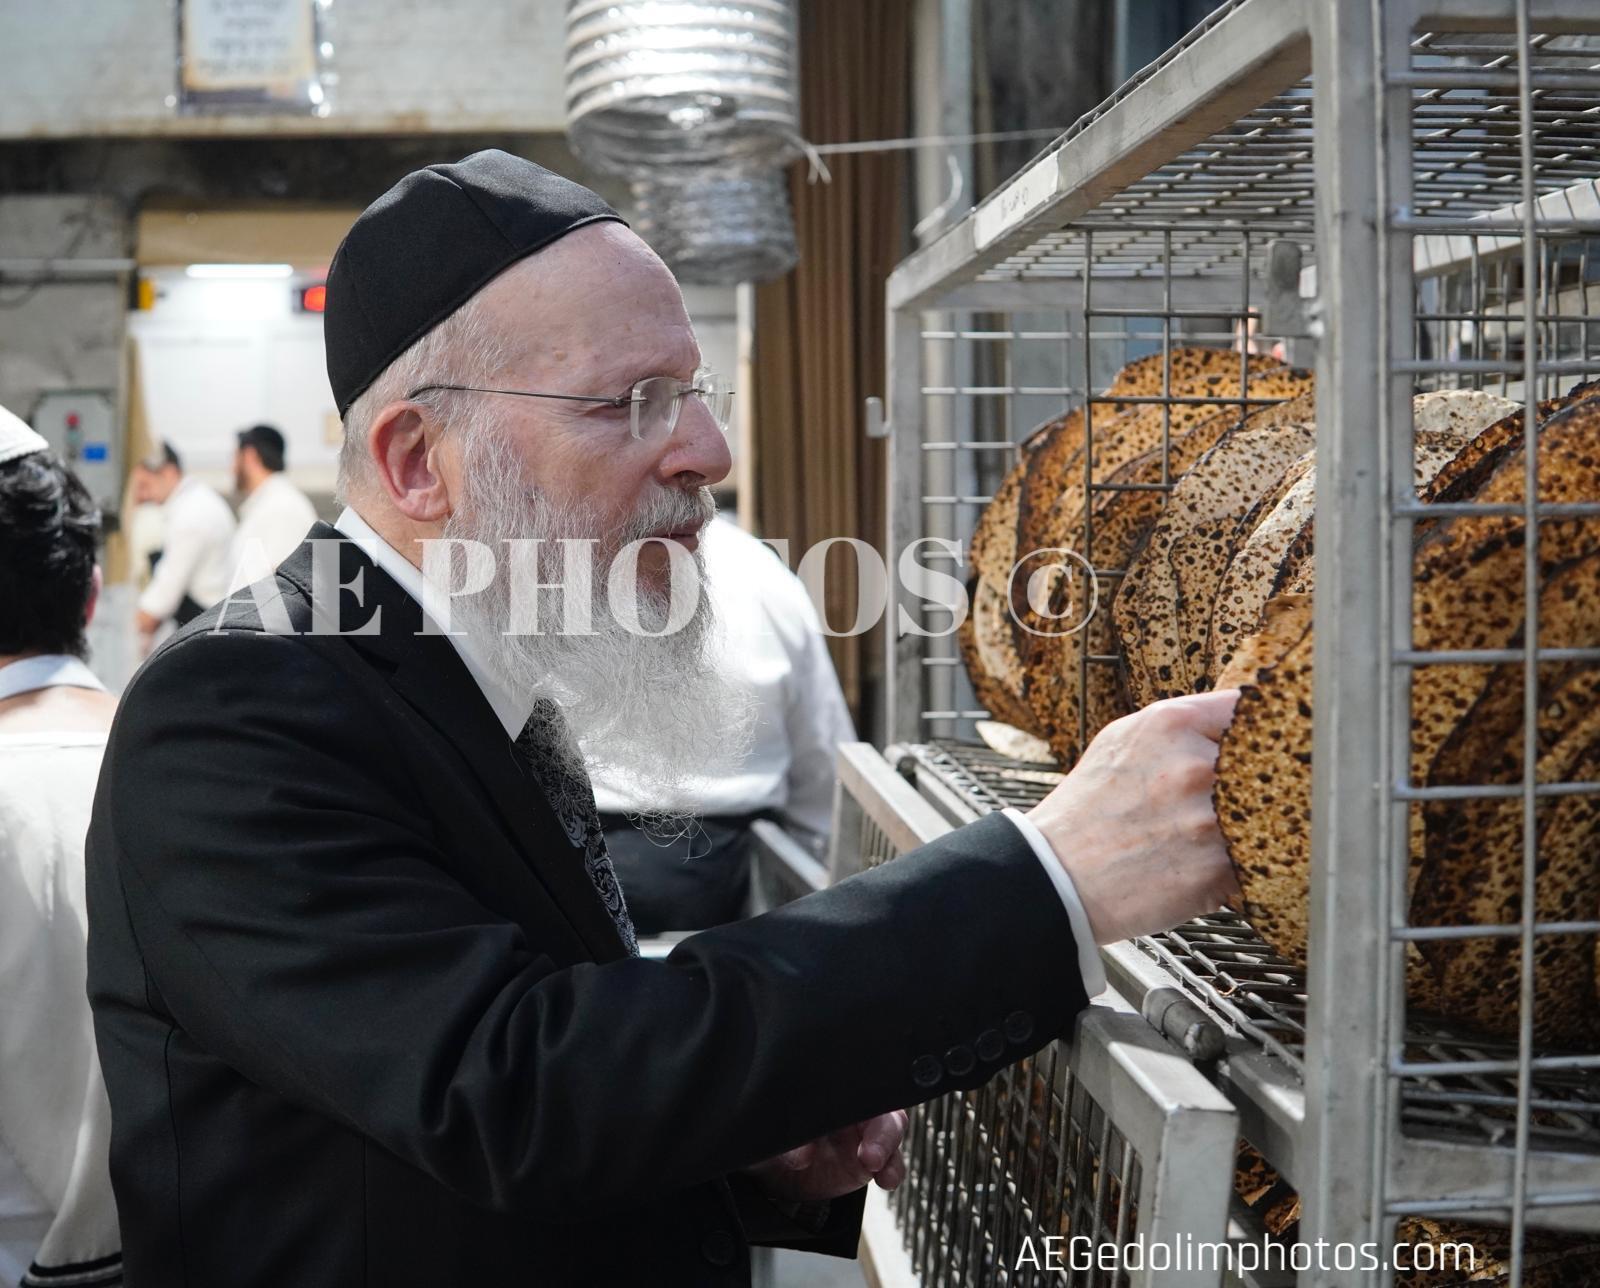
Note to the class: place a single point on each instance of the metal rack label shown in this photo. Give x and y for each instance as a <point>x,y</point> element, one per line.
<point>1029,193</point>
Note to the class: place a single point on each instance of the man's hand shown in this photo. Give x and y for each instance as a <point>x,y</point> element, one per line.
<point>1133,823</point>
<point>838,1163</point>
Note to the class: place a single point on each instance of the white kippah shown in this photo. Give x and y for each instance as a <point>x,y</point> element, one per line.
<point>17,438</point>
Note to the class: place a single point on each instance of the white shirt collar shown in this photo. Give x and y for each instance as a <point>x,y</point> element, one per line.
<point>512,710</point>
<point>46,671</point>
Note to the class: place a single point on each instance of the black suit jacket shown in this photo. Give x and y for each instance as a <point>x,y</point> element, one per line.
<point>364,1020</point>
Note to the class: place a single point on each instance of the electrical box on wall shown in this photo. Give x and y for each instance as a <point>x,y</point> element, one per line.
<point>79,426</point>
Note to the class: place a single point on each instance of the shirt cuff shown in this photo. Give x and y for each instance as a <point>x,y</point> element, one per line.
<point>1094,974</point>
<point>155,601</point>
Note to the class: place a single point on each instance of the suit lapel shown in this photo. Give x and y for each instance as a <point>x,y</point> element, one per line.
<point>429,674</point>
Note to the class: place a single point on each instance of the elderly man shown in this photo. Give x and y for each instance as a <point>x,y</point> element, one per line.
<point>363,978</point>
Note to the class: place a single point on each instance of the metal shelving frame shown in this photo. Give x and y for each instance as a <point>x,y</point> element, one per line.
<point>1111,1134</point>
<point>1394,143</point>
<point>1257,1000</point>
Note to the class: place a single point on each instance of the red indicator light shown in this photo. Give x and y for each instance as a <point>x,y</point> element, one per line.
<point>313,298</point>
<point>72,420</point>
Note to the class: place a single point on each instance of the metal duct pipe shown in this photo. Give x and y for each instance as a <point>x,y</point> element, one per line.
<point>713,227</point>
<point>654,84</point>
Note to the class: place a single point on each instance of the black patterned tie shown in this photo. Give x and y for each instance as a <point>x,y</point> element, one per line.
<point>543,747</point>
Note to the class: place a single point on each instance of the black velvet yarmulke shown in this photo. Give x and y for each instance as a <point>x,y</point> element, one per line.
<point>420,251</point>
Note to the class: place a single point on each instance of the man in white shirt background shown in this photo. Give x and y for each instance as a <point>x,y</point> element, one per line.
<point>193,570</point>
<point>695,874</point>
<point>274,515</point>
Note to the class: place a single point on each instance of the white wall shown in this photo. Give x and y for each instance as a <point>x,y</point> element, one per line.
<point>107,67</point>
<point>216,356</point>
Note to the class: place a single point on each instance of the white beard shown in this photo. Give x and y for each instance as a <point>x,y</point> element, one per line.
<point>658,711</point>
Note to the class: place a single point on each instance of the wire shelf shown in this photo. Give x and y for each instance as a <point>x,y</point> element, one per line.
<point>1258,174</point>
<point>1029,1155</point>
<point>1260,997</point>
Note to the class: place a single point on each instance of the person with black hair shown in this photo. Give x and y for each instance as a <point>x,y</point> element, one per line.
<point>192,572</point>
<point>58,1220</point>
<point>274,515</point>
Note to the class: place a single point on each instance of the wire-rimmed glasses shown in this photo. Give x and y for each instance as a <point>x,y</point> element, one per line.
<point>654,403</point>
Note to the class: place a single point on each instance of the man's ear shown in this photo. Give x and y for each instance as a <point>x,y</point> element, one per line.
<point>404,446</point>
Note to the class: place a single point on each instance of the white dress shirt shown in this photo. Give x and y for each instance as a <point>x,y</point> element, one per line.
<point>195,550</point>
<point>513,711</point>
<point>273,521</point>
<point>56,1205</point>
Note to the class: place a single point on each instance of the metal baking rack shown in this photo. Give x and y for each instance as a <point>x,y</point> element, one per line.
<point>1259,998</point>
<point>1404,193</point>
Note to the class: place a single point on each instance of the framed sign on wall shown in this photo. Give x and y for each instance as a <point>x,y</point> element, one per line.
<point>254,56</point>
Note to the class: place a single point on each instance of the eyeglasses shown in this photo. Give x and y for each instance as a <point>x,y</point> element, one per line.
<point>653,403</point>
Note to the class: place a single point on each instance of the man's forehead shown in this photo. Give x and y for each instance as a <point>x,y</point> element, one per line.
<point>595,355</point>
<point>650,356</point>
<point>619,317</point>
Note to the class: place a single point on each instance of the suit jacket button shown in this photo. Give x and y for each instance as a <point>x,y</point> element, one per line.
<point>925,1071</point>
<point>991,1046</point>
<point>719,1248</point>
<point>959,1060</point>
<point>1019,1026</point>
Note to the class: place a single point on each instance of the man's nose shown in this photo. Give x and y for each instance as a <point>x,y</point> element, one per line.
<point>696,447</point>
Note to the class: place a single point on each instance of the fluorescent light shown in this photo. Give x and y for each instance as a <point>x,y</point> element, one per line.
<point>239,270</point>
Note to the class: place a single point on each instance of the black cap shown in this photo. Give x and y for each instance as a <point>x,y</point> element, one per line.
<point>268,442</point>
<point>420,251</point>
